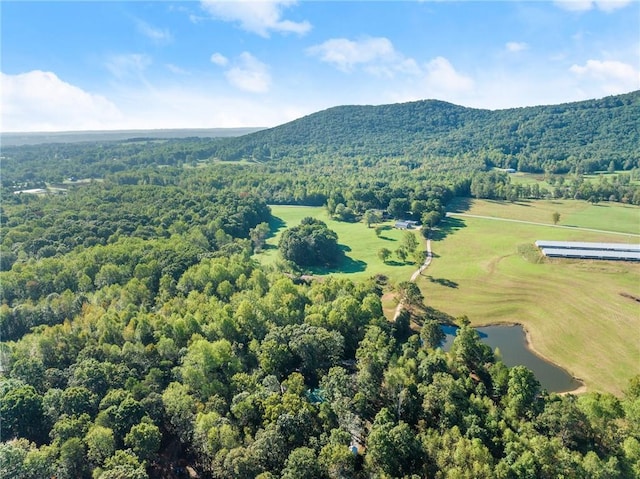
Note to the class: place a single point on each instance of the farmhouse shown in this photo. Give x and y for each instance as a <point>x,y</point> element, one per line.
<point>587,250</point>
<point>406,224</point>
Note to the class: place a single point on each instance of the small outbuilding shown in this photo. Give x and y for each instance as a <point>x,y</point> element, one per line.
<point>406,224</point>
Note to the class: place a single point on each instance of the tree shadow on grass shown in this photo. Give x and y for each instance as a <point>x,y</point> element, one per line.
<point>447,226</point>
<point>275,225</point>
<point>431,314</point>
<point>459,205</point>
<point>442,282</point>
<point>380,229</point>
<point>346,265</point>
<point>350,265</point>
<point>393,262</point>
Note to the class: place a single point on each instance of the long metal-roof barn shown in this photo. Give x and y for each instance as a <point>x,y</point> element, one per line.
<point>586,250</point>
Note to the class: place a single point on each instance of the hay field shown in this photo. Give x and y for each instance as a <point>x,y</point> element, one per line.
<point>580,314</point>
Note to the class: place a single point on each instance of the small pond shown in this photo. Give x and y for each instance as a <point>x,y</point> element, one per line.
<point>512,342</point>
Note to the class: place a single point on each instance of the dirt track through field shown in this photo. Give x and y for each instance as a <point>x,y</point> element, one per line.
<point>466,215</point>
<point>414,276</point>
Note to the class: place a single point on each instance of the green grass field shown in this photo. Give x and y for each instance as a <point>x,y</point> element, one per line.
<point>360,243</point>
<point>520,178</point>
<point>614,217</point>
<point>530,179</point>
<point>578,313</point>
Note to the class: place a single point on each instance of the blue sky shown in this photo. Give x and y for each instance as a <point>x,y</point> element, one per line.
<point>174,64</point>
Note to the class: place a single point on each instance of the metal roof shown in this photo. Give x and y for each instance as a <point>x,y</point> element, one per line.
<point>581,245</point>
<point>592,254</point>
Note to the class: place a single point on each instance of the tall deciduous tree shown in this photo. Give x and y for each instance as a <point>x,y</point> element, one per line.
<point>144,440</point>
<point>100,443</point>
<point>371,216</point>
<point>258,235</point>
<point>522,393</point>
<point>431,334</point>
<point>384,254</point>
<point>22,414</point>
<point>409,241</point>
<point>410,293</point>
<point>393,448</point>
<point>208,366</point>
<point>311,243</point>
<point>302,463</point>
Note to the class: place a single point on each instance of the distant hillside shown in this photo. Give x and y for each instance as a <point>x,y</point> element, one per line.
<point>380,142</point>
<point>35,138</point>
<point>532,139</point>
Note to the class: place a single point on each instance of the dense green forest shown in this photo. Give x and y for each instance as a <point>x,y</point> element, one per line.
<point>377,148</point>
<point>582,136</point>
<point>139,337</point>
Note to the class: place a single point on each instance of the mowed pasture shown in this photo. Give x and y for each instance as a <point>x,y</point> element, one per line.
<point>580,314</point>
<point>359,243</point>
<point>531,179</point>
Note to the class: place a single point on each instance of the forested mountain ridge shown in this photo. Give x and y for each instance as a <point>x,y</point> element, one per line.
<point>441,138</point>
<point>529,138</point>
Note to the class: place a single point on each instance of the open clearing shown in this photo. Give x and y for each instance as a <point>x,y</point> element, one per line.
<point>580,314</point>
<point>531,179</point>
<point>360,244</point>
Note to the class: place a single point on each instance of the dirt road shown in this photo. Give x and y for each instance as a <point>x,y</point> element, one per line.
<point>414,276</point>
<point>466,215</point>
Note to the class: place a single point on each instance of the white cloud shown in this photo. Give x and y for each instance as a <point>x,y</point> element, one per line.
<point>408,79</point>
<point>126,65</point>
<point>376,55</point>
<point>438,80</point>
<point>585,5</point>
<point>344,54</point>
<point>40,101</point>
<point>177,70</point>
<point>196,18</point>
<point>257,16</point>
<point>611,77</point>
<point>442,76</point>
<point>219,59</point>
<point>515,47</point>
<point>155,34</point>
<point>575,5</point>
<point>249,74</point>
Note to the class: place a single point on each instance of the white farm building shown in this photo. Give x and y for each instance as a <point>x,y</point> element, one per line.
<point>585,250</point>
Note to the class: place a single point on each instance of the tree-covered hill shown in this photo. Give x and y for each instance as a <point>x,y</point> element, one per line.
<point>441,138</point>
<point>533,138</point>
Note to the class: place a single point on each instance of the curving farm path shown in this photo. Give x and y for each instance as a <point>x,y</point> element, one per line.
<point>416,273</point>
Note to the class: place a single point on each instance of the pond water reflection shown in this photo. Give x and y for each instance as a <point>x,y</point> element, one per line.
<point>512,342</point>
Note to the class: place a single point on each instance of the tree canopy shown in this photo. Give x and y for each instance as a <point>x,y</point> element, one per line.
<point>311,243</point>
